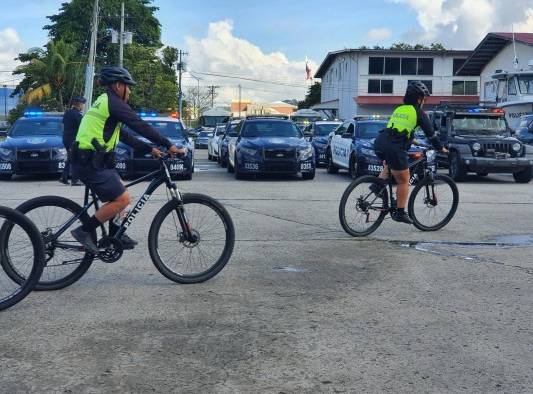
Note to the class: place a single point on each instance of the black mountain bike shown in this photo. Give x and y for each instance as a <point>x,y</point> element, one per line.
<point>23,252</point>
<point>191,237</point>
<point>432,203</point>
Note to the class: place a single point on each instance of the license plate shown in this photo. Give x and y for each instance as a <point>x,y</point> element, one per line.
<point>61,165</point>
<point>375,168</point>
<point>306,166</point>
<point>120,166</point>
<point>177,167</point>
<point>5,166</point>
<point>251,166</point>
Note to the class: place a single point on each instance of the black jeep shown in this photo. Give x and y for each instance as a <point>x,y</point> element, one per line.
<point>480,141</point>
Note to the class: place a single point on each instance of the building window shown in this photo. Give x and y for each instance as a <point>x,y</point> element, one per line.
<point>425,66</point>
<point>380,86</point>
<point>462,88</point>
<point>376,65</point>
<point>429,85</point>
<point>392,65</point>
<point>409,66</point>
<point>457,64</point>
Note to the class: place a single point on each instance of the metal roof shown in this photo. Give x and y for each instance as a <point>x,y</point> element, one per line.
<point>330,57</point>
<point>487,49</point>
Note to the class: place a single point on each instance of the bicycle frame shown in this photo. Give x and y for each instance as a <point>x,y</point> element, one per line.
<point>157,179</point>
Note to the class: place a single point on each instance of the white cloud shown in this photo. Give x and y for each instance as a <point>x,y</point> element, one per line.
<point>463,23</point>
<point>220,52</point>
<point>10,46</point>
<point>379,34</point>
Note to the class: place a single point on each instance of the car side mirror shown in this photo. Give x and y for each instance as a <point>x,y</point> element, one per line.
<point>347,135</point>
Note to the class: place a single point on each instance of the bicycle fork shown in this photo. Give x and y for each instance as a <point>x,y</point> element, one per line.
<point>186,227</point>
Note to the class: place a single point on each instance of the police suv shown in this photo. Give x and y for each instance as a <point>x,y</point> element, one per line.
<point>33,145</point>
<point>268,145</point>
<point>524,132</point>
<point>319,135</point>
<point>480,141</point>
<point>131,162</point>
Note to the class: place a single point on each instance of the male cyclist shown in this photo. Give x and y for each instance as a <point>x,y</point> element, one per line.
<point>98,135</point>
<point>394,141</point>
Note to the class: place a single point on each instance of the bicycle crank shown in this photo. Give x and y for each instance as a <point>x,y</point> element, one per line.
<point>111,250</point>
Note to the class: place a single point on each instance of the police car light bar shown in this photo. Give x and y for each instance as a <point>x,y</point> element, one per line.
<point>145,114</point>
<point>33,113</point>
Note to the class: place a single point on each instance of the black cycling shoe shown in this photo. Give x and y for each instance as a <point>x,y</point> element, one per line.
<point>377,189</point>
<point>401,217</point>
<point>127,242</point>
<point>85,239</point>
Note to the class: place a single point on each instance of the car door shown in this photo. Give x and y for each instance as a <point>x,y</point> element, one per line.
<point>345,143</point>
<point>336,143</point>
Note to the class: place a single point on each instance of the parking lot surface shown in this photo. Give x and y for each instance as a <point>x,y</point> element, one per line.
<point>300,307</point>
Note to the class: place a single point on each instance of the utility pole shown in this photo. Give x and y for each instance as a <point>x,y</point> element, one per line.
<point>212,91</point>
<point>181,68</point>
<point>89,72</point>
<point>121,37</point>
<point>239,100</point>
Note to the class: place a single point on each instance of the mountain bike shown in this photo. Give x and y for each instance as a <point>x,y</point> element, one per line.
<point>432,203</point>
<point>23,252</point>
<point>190,240</point>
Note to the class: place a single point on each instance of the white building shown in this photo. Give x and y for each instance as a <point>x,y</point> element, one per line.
<point>497,52</point>
<point>368,81</point>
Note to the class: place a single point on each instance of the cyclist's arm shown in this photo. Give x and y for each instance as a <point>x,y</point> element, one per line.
<point>427,128</point>
<point>137,144</point>
<point>122,112</point>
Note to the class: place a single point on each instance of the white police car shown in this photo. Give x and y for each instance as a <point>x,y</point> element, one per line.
<point>34,145</point>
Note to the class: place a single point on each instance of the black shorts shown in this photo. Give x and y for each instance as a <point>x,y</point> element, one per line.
<point>392,151</point>
<point>105,183</point>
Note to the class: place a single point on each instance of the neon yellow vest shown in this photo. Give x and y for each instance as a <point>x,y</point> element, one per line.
<point>92,126</point>
<point>403,119</point>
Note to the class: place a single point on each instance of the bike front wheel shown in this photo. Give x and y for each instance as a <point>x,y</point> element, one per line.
<point>433,203</point>
<point>363,206</point>
<point>24,251</point>
<point>181,260</point>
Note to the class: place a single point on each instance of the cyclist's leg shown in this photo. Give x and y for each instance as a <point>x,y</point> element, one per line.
<point>398,162</point>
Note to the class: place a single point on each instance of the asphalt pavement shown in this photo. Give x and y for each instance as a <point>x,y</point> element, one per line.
<point>300,308</point>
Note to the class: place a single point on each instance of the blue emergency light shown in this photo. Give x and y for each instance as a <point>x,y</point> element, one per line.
<point>33,113</point>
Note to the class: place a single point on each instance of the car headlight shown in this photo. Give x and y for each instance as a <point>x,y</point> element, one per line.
<point>368,152</point>
<point>476,146</point>
<point>517,147</point>
<point>6,153</point>
<point>248,151</point>
<point>306,153</point>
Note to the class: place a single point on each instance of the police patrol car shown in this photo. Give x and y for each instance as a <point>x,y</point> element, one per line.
<point>33,145</point>
<point>131,162</point>
<point>268,145</point>
<point>319,132</point>
<point>224,140</point>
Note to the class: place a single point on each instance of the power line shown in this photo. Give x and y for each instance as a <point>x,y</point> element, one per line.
<point>254,79</point>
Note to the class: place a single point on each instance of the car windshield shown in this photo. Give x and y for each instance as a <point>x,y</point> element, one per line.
<point>465,124</point>
<point>211,121</point>
<point>265,128</point>
<point>30,127</point>
<point>168,129</point>
<point>205,134</point>
<point>325,128</point>
<point>526,84</point>
<point>368,130</point>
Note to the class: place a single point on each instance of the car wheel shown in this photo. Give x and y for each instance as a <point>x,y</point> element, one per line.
<point>331,168</point>
<point>308,175</point>
<point>354,168</point>
<point>188,176</point>
<point>238,175</point>
<point>455,168</point>
<point>5,177</point>
<point>523,176</point>
<point>230,168</point>
<point>223,162</point>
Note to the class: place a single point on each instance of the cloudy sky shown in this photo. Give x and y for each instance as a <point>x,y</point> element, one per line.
<point>269,41</point>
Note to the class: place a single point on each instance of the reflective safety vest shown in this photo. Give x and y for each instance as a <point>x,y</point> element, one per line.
<point>92,126</point>
<point>403,120</point>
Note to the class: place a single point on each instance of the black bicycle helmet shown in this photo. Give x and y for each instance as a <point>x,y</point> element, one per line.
<point>109,75</point>
<point>417,89</point>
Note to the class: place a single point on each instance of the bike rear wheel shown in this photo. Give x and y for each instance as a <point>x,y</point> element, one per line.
<point>180,260</point>
<point>24,251</point>
<point>433,203</point>
<point>361,210</point>
<point>64,264</point>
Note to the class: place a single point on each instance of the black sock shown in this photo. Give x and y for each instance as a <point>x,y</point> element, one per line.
<point>91,225</point>
<point>401,211</point>
<point>113,228</point>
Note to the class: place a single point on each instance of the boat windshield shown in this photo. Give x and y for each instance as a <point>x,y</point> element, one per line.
<point>526,84</point>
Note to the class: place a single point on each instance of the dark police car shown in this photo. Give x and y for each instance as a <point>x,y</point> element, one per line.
<point>33,146</point>
<point>480,141</point>
<point>224,140</point>
<point>352,147</point>
<point>319,135</point>
<point>131,162</point>
<point>524,132</point>
<point>270,146</point>
<point>202,139</point>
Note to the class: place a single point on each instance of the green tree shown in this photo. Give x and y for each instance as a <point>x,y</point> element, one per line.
<point>312,97</point>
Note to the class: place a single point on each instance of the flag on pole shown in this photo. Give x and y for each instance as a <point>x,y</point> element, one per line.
<point>307,70</point>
